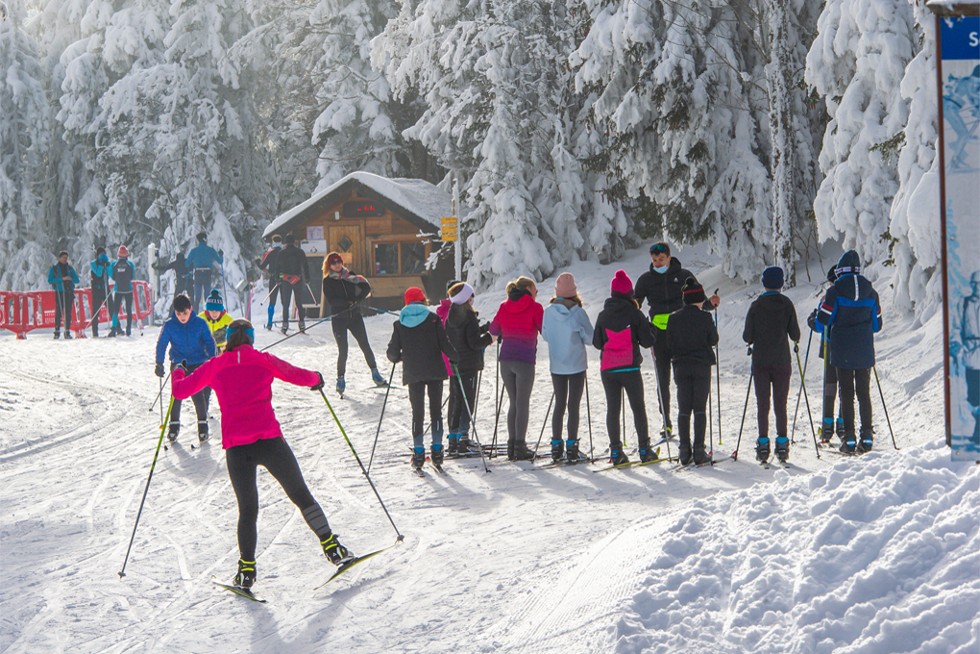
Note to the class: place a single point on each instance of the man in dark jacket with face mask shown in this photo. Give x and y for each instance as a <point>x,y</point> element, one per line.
<point>661,287</point>
<point>851,316</point>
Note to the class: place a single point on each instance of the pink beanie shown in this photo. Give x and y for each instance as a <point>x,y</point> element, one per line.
<point>565,285</point>
<point>621,284</point>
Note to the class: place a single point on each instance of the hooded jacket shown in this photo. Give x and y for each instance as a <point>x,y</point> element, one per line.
<point>219,327</point>
<point>468,338</point>
<point>59,270</point>
<point>191,341</point>
<point>691,337</point>
<point>770,319</point>
<point>567,330</point>
<point>417,339</point>
<point>662,291</point>
<point>122,273</point>
<point>518,322</point>
<point>620,330</point>
<point>242,380</point>
<point>851,316</point>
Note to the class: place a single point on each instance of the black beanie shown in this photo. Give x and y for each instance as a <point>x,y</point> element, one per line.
<point>693,292</point>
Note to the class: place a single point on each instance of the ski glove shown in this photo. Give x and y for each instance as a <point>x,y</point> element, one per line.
<point>319,385</point>
<point>159,370</point>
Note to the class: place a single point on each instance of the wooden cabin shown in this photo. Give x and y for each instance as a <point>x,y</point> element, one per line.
<point>385,229</point>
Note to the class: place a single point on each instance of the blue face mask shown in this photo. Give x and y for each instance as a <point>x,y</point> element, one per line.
<point>660,269</point>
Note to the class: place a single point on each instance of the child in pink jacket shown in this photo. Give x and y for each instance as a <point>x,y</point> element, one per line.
<point>251,436</point>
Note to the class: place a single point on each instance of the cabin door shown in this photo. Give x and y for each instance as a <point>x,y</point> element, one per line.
<point>348,240</point>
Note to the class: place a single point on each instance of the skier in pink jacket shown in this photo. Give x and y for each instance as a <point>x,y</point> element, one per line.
<point>251,436</point>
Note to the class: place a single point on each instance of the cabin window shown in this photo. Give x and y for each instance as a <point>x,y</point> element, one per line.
<point>399,258</point>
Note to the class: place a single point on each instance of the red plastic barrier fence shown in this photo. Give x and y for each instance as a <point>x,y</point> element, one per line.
<point>21,312</point>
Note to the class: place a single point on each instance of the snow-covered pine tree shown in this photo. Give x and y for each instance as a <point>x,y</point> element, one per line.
<point>28,237</point>
<point>857,63</point>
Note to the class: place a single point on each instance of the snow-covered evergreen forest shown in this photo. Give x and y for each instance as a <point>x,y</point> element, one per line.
<point>577,129</point>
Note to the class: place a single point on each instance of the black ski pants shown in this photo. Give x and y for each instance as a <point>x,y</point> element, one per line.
<point>568,393</point>
<point>661,362</point>
<point>98,299</point>
<point>276,457</point>
<point>772,381</point>
<point>64,305</point>
<point>416,397</point>
<point>855,382</point>
<point>829,392</point>
<point>201,400</point>
<point>615,384</point>
<point>462,399</point>
<point>351,321</point>
<point>118,298</point>
<point>693,386</point>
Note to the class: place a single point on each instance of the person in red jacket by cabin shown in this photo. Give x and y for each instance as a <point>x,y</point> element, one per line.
<point>517,324</point>
<point>251,436</point>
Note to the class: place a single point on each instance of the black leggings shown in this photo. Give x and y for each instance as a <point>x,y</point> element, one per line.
<point>274,454</point>
<point>351,321</point>
<point>855,382</point>
<point>631,382</point>
<point>776,380</point>
<point>693,387</point>
<point>201,400</point>
<point>286,292</point>
<point>460,407</point>
<point>568,392</point>
<point>416,396</point>
<point>661,362</point>
<point>64,305</point>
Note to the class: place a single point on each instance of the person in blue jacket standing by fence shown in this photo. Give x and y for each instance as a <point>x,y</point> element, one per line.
<point>63,278</point>
<point>200,262</point>
<point>851,316</point>
<point>191,344</point>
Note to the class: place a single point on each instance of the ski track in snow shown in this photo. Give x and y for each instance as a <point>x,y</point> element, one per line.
<point>870,554</point>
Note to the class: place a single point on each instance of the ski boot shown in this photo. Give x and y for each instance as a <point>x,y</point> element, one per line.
<point>617,456</point>
<point>571,451</point>
<point>246,574</point>
<point>667,432</point>
<point>684,454</point>
<point>418,457</point>
<point>521,453</point>
<point>465,445</point>
<point>782,449</point>
<point>337,553</point>
<point>848,444</point>
<point>762,449</point>
<point>341,385</point>
<point>436,454</point>
<point>453,448</point>
<point>202,430</point>
<point>57,335</point>
<point>557,449</point>
<point>701,456</point>
<point>68,336</point>
<point>826,431</point>
<point>172,432</point>
<point>840,428</point>
<point>647,455</point>
<point>378,380</point>
<point>285,328</point>
<point>866,441</point>
<point>302,326</point>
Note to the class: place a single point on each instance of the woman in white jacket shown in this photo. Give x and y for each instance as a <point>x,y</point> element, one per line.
<point>567,329</point>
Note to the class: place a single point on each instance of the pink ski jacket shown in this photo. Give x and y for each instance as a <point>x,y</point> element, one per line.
<point>242,380</point>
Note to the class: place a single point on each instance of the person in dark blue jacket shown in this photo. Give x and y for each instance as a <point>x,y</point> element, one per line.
<point>851,316</point>
<point>99,274</point>
<point>200,262</point>
<point>63,279</point>
<point>122,273</point>
<point>191,344</point>
<point>828,426</point>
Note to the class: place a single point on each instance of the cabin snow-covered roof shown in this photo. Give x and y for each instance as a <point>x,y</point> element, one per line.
<point>420,202</point>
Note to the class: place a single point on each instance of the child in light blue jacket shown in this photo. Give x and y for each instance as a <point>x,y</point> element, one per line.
<point>567,329</point>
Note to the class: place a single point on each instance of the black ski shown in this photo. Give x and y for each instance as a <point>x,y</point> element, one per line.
<point>241,592</point>
<point>347,565</point>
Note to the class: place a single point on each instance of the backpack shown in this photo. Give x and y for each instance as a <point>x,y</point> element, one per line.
<point>618,350</point>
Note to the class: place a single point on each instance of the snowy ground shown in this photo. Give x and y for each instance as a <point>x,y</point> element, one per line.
<point>877,554</point>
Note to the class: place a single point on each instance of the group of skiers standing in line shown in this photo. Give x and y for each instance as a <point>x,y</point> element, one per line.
<point>112,287</point>
<point>679,330</point>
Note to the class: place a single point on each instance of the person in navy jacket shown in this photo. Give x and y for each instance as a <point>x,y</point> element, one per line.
<point>191,344</point>
<point>851,316</point>
<point>63,278</point>
<point>122,273</point>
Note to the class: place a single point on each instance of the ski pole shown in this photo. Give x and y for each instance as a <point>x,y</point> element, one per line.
<point>718,373</point>
<point>806,362</point>
<point>499,398</point>
<point>160,394</point>
<point>809,413</point>
<point>622,404</point>
<point>544,423</point>
<point>308,328</point>
<point>588,411</point>
<point>391,376</point>
<point>156,454</point>
<point>745,408</point>
<point>711,431</point>
<point>476,400</point>
<point>161,404</point>
<point>469,410</point>
<point>885,407</point>
<point>358,459</point>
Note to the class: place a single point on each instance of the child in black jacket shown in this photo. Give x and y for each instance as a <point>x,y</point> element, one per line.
<point>691,337</point>
<point>417,340</point>
<point>771,318</point>
<point>470,340</point>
